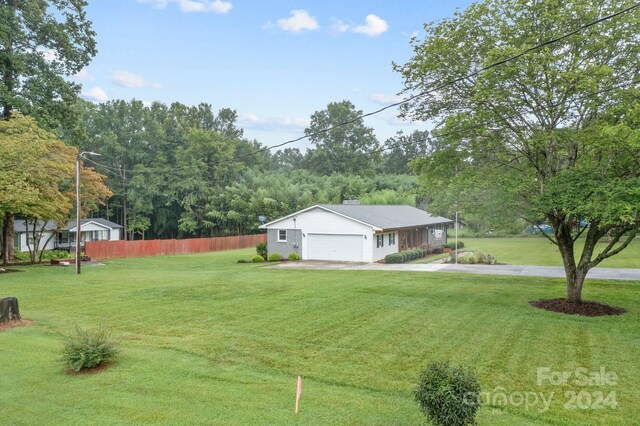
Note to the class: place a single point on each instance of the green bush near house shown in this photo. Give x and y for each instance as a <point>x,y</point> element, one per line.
<point>275,257</point>
<point>261,249</point>
<point>452,246</point>
<point>294,257</point>
<point>257,259</point>
<point>405,256</point>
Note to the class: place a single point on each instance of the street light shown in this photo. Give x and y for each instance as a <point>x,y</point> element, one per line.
<point>78,233</point>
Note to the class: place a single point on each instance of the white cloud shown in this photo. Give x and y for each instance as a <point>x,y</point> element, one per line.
<point>252,121</point>
<point>218,6</point>
<point>385,98</point>
<point>374,26</point>
<point>190,6</point>
<point>131,80</point>
<point>82,75</point>
<point>396,121</point>
<point>96,94</point>
<point>299,21</point>
<point>339,26</point>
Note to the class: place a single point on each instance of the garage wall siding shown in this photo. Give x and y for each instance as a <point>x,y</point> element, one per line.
<point>285,248</point>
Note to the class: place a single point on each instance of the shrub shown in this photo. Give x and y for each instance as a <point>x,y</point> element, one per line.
<point>243,261</point>
<point>478,258</point>
<point>257,259</point>
<point>261,250</point>
<point>448,395</point>
<point>88,348</point>
<point>393,258</point>
<point>452,246</point>
<point>275,257</point>
<point>294,257</point>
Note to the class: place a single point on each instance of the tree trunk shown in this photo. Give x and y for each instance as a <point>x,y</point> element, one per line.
<point>575,273</point>
<point>9,310</point>
<point>574,285</point>
<point>8,251</point>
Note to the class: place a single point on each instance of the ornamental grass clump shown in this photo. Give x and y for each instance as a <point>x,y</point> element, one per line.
<point>88,348</point>
<point>448,395</point>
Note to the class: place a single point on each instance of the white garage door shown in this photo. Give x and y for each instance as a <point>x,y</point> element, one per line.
<point>335,247</point>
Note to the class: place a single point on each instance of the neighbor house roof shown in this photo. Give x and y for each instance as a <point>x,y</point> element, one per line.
<point>383,217</point>
<point>19,225</point>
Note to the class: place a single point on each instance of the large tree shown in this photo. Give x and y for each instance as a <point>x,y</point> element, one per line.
<point>41,43</point>
<point>37,179</point>
<point>552,135</point>
<point>346,148</point>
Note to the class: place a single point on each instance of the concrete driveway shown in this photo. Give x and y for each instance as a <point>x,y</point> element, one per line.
<point>525,271</point>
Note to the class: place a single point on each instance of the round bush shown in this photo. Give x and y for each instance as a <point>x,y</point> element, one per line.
<point>88,348</point>
<point>275,257</point>
<point>294,257</point>
<point>448,395</point>
<point>257,259</point>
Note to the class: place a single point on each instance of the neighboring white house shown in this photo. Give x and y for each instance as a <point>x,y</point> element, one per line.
<point>91,230</point>
<point>354,232</point>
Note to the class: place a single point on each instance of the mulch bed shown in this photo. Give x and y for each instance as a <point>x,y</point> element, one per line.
<point>8,271</point>
<point>14,324</point>
<point>94,370</point>
<point>585,308</point>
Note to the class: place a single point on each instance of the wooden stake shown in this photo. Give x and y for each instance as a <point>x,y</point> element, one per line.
<point>298,393</point>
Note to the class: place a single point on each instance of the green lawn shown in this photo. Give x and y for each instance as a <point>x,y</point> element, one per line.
<point>541,252</point>
<point>207,341</point>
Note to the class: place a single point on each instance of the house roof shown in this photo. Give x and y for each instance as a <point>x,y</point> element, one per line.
<point>382,217</point>
<point>19,225</point>
<point>386,216</point>
<point>99,221</point>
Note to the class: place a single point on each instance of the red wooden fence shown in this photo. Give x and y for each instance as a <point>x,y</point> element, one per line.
<point>142,248</point>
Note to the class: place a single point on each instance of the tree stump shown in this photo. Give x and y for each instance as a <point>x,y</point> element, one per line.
<point>9,310</point>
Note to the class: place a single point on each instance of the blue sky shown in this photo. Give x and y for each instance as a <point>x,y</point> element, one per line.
<point>275,62</point>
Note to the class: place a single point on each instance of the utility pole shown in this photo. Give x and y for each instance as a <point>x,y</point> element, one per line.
<point>456,225</point>
<point>78,210</point>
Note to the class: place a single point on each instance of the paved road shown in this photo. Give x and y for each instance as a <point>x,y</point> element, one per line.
<point>526,271</point>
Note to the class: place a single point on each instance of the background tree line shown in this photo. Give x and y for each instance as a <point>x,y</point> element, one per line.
<point>181,171</point>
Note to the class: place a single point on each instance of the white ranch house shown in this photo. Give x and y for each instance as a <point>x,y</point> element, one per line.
<point>91,229</point>
<point>354,232</point>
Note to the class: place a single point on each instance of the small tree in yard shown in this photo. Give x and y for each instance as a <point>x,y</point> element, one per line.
<point>553,135</point>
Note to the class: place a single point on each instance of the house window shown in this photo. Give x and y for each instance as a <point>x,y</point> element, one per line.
<point>100,235</point>
<point>392,239</point>
<point>282,235</point>
<point>63,237</point>
<point>379,240</point>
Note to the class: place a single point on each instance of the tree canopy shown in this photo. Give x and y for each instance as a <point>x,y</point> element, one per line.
<point>37,176</point>
<point>41,43</point>
<point>550,136</point>
<point>349,148</point>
